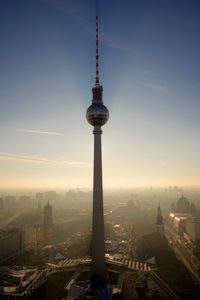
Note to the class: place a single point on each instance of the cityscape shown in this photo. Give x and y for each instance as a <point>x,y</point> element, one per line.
<point>110,209</point>
<point>46,236</point>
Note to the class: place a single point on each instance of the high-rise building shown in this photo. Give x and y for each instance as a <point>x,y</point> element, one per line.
<point>24,203</point>
<point>39,212</point>
<point>9,203</point>
<point>48,222</point>
<point>159,221</point>
<point>97,115</point>
<point>1,205</point>
<point>11,243</point>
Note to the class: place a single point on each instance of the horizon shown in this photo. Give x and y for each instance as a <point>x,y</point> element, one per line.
<point>133,189</point>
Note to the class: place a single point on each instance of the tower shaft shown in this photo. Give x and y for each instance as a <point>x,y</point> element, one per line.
<point>98,246</point>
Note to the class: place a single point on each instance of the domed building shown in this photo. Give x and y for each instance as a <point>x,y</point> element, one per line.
<point>183,205</point>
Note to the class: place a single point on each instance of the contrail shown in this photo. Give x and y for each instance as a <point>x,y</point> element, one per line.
<point>40,132</point>
<point>43,160</point>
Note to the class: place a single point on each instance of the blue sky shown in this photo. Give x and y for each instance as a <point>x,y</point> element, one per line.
<point>149,57</point>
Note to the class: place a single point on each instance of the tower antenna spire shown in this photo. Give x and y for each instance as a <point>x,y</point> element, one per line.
<point>97,49</point>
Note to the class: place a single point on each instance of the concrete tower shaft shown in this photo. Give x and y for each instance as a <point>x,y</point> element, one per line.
<point>98,246</point>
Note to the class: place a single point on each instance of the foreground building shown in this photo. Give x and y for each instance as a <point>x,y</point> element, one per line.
<point>11,243</point>
<point>128,279</point>
<point>183,234</point>
<point>18,283</point>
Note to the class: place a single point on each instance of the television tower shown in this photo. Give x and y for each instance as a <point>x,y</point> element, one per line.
<point>159,221</point>
<point>97,115</point>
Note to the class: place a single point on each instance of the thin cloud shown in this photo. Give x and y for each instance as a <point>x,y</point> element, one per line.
<point>40,132</point>
<point>149,75</point>
<point>157,87</point>
<point>43,160</point>
<point>70,8</point>
<point>109,42</point>
<point>74,9</point>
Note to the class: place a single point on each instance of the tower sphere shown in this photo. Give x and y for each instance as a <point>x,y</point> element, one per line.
<point>97,114</point>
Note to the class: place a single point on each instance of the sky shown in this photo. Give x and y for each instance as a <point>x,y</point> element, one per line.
<point>150,72</point>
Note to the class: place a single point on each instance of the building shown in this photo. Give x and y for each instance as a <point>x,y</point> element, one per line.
<point>48,222</point>
<point>159,221</point>
<point>178,222</point>
<point>183,234</point>
<point>149,245</point>
<point>140,285</point>
<point>1,205</point>
<point>50,196</point>
<point>9,203</point>
<point>48,217</point>
<point>183,205</point>
<point>24,203</point>
<point>18,283</point>
<point>39,214</point>
<point>11,243</point>
<point>44,229</point>
<point>39,197</point>
<point>192,228</point>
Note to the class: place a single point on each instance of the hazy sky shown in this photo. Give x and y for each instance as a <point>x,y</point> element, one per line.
<point>150,71</point>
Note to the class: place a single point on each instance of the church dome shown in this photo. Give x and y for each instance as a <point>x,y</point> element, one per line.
<point>183,205</point>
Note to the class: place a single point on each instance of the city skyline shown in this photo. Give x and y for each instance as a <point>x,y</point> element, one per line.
<point>149,69</point>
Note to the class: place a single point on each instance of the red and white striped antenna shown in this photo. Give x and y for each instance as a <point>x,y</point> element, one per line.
<point>97,51</point>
